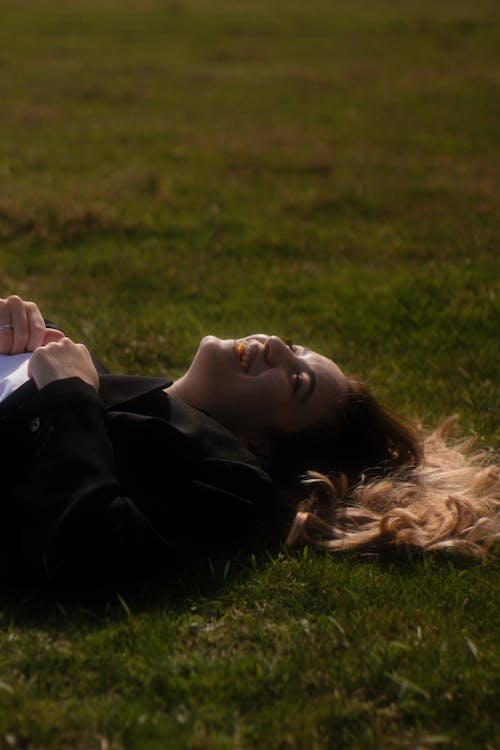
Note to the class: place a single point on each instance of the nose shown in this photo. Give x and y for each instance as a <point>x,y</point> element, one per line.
<point>277,352</point>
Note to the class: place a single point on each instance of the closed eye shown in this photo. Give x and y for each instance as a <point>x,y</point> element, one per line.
<point>303,383</point>
<point>297,381</point>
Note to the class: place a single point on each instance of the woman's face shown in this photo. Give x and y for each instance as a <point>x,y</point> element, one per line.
<point>261,388</point>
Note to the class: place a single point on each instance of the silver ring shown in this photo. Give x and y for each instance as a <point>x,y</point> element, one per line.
<point>4,326</point>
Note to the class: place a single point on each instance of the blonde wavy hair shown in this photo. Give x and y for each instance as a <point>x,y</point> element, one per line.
<point>447,501</point>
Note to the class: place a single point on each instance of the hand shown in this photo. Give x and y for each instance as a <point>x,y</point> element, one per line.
<point>62,359</point>
<point>28,329</point>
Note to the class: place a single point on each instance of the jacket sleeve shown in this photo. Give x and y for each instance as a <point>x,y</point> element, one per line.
<point>77,527</point>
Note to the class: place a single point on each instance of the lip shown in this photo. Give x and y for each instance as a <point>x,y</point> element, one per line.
<point>235,350</point>
<point>253,347</point>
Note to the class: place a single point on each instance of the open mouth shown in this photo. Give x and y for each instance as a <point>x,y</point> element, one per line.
<point>244,353</point>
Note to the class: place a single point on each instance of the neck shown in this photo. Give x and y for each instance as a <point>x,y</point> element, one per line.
<point>180,390</point>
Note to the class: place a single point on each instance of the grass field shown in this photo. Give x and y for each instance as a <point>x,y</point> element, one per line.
<point>324,170</point>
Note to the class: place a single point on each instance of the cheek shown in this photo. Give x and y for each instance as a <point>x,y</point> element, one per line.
<point>273,387</point>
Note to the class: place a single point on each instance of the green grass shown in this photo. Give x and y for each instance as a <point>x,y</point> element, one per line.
<point>327,171</point>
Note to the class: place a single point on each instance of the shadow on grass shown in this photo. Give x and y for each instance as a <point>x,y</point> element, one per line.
<point>206,581</point>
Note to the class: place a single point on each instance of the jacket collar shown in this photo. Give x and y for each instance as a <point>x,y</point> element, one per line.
<point>114,390</point>
<point>118,389</point>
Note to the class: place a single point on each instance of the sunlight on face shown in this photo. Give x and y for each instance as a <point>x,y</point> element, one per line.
<point>259,387</point>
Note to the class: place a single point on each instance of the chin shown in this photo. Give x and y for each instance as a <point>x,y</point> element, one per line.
<point>214,349</point>
<point>210,345</point>
<point>209,341</point>
<point>217,356</point>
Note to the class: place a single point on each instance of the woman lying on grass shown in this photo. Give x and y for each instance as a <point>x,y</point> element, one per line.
<point>114,479</point>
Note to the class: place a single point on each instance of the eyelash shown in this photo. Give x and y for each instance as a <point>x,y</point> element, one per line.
<point>297,375</point>
<point>297,380</point>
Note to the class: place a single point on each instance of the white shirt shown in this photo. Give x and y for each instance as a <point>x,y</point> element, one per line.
<point>13,372</point>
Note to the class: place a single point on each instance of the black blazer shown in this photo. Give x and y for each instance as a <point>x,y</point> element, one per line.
<point>111,489</point>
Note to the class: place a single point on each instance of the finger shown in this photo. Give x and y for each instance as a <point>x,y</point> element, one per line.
<point>6,335</point>
<point>35,358</point>
<point>36,326</point>
<point>20,323</point>
<point>41,359</point>
<point>30,366</point>
<point>51,335</point>
<point>66,345</point>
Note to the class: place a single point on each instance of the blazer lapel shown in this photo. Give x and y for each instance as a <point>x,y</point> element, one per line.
<point>118,389</point>
<point>114,390</point>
